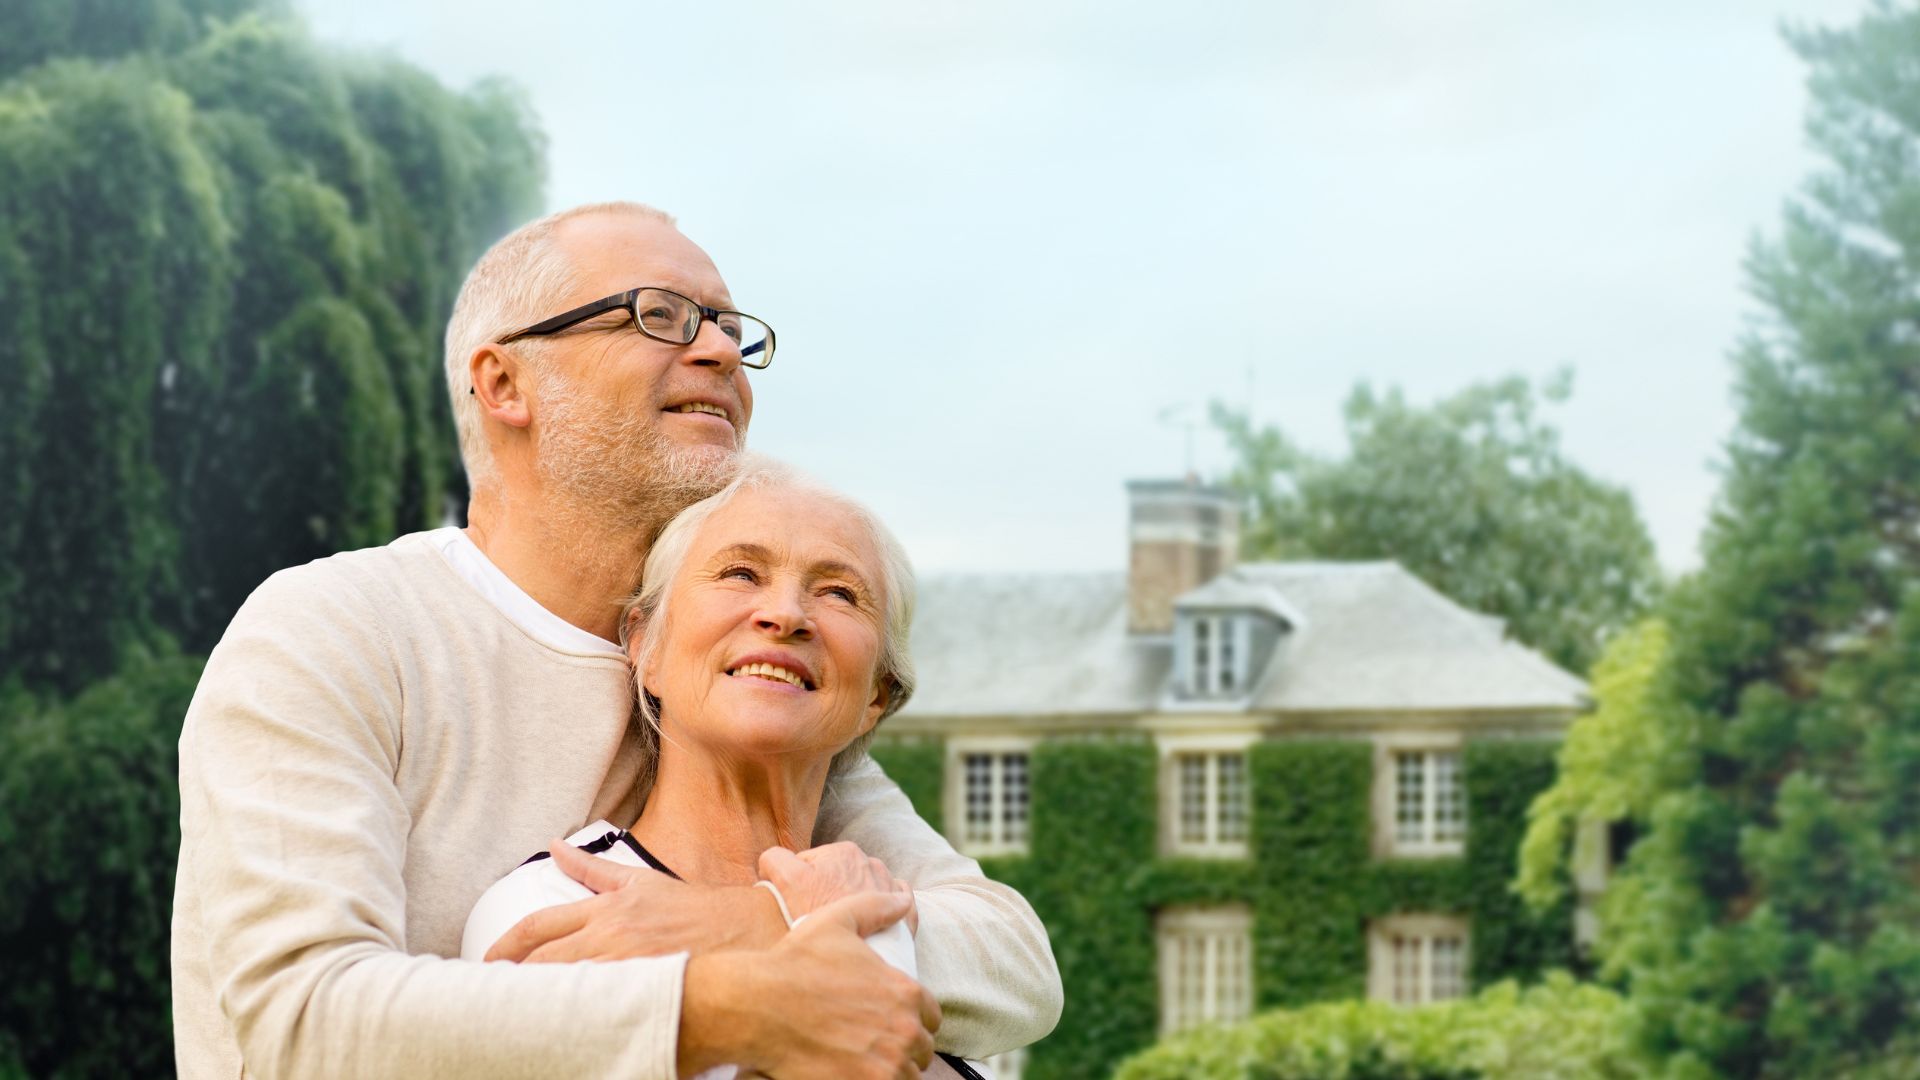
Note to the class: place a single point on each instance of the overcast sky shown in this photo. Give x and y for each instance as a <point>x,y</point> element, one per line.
<point>1001,240</point>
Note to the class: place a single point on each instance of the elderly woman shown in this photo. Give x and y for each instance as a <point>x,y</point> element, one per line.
<point>768,641</point>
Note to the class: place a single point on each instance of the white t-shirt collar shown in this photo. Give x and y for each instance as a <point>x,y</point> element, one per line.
<point>512,601</point>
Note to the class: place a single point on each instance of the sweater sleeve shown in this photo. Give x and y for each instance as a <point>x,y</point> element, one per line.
<point>293,838</point>
<point>981,950</point>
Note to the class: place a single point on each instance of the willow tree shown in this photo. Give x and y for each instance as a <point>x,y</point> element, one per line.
<point>116,267</point>
<point>228,254</point>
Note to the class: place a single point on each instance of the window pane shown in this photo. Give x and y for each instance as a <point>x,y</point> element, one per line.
<point>1449,969</point>
<point>1226,655</point>
<point>1449,799</point>
<point>1233,798</point>
<point>1406,970</point>
<point>1191,776</point>
<point>1202,656</point>
<point>1013,809</point>
<point>1210,976</point>
<point>1236,991</point>
<point>978,827</point>
<point>1410,798</point>
<point>1193,980</point>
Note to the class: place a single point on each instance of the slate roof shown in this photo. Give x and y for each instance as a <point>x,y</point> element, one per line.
<point>1366,637</point>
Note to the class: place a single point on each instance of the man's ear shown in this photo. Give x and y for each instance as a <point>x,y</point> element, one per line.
<point>500,382</point>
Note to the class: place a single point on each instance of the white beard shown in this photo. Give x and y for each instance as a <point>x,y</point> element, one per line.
<point>615,468</point>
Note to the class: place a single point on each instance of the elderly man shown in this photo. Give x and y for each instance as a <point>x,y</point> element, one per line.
<point>382,734</point>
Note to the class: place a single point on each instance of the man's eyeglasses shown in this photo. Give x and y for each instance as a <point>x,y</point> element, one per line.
<point>667,316</point>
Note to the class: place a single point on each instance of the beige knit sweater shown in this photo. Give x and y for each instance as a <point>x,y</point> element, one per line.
<point>372,745</point>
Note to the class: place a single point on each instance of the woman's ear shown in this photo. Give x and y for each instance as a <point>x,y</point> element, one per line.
<point>633,633</point>
<point>882,697</point>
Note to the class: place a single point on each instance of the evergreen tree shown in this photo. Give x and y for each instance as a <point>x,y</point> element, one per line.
<point>1474,495</point>
<point>1768,924</point>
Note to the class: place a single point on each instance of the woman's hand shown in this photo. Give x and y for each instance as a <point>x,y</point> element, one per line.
<point>818,876</point>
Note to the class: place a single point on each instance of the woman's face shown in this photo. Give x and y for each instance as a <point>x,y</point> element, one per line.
<point>774,623</point>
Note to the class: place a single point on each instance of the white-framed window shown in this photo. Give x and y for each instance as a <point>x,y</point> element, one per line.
<point>1205,799</point>
<point>1417,959</point>
<point>1206,966</point>
<point>1213,661</point>
<point>1420,796</point>
<point>1009,1065</point>
<point>987,795</point>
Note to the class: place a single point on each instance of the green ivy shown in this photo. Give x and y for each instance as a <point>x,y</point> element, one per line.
<point>915,764</point>
<point>1094,875</point>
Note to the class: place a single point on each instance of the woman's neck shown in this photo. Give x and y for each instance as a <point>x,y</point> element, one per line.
<point>709,820</point>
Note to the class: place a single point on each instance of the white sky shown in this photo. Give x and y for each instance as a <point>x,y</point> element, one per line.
<point>998,239</point>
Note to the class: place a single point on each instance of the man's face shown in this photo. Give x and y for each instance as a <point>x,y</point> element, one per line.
<point>623,421</point>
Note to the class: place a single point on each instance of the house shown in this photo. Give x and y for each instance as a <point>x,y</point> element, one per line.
<point>1332,763</point>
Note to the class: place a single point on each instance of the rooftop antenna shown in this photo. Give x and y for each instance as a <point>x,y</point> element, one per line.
<point>1180,415</point>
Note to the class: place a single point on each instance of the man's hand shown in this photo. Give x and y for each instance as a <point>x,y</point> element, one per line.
<point>818,876</point>
<point>820,1005</point>
<point>639,912</point>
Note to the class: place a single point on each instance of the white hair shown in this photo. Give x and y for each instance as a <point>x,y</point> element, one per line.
<point>669,553</point>
<point>523,278</point>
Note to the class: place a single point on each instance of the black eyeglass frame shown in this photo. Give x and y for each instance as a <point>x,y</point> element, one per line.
<point>762,349</point>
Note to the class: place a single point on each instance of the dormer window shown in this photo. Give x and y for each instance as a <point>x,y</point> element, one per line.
<point>1215,668</point>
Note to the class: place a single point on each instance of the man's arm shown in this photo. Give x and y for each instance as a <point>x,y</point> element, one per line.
<point>294,838</point>
<point>982,952</point>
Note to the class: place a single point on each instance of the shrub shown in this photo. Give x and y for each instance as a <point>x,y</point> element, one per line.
<point>90,823</point>
<point>1558,1030</point>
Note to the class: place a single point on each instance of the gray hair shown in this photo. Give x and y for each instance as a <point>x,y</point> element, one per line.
<point>669,554</point>
<point>522,279</point>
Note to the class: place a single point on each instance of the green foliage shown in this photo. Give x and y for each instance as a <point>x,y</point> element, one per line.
<point>112,210</point>
<point>1092,828</point>
<point>916,765</point>
<point>1096,878</point>
<point>1769,921</point>
<point>1615,762</point>
<point>1312,848</point>
<point>1473,494</point>
<point>1503,778</point>
<point>1559,1030</point>
<point>1321,884</point>
<point>90,835</point>
<point>41,30</point>
<point>228,255</point>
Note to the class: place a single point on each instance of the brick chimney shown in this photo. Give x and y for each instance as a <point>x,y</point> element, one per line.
<point>1181,535</point>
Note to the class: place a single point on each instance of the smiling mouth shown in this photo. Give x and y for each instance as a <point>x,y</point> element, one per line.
<point>770,671</point>
<point>702,407</point>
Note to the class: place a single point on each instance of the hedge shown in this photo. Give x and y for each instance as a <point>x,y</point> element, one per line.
<point>90,830</point>
<point>1559,1030</point>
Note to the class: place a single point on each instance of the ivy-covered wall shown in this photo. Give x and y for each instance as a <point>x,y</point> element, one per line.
<point>1094,874</point>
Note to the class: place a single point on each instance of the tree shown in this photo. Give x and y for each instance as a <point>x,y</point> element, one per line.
<point>228,255</point>
<point>90,831</point>
<point>1768,923</point>
<point>1474,495</point>
<point>1614,765</point>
